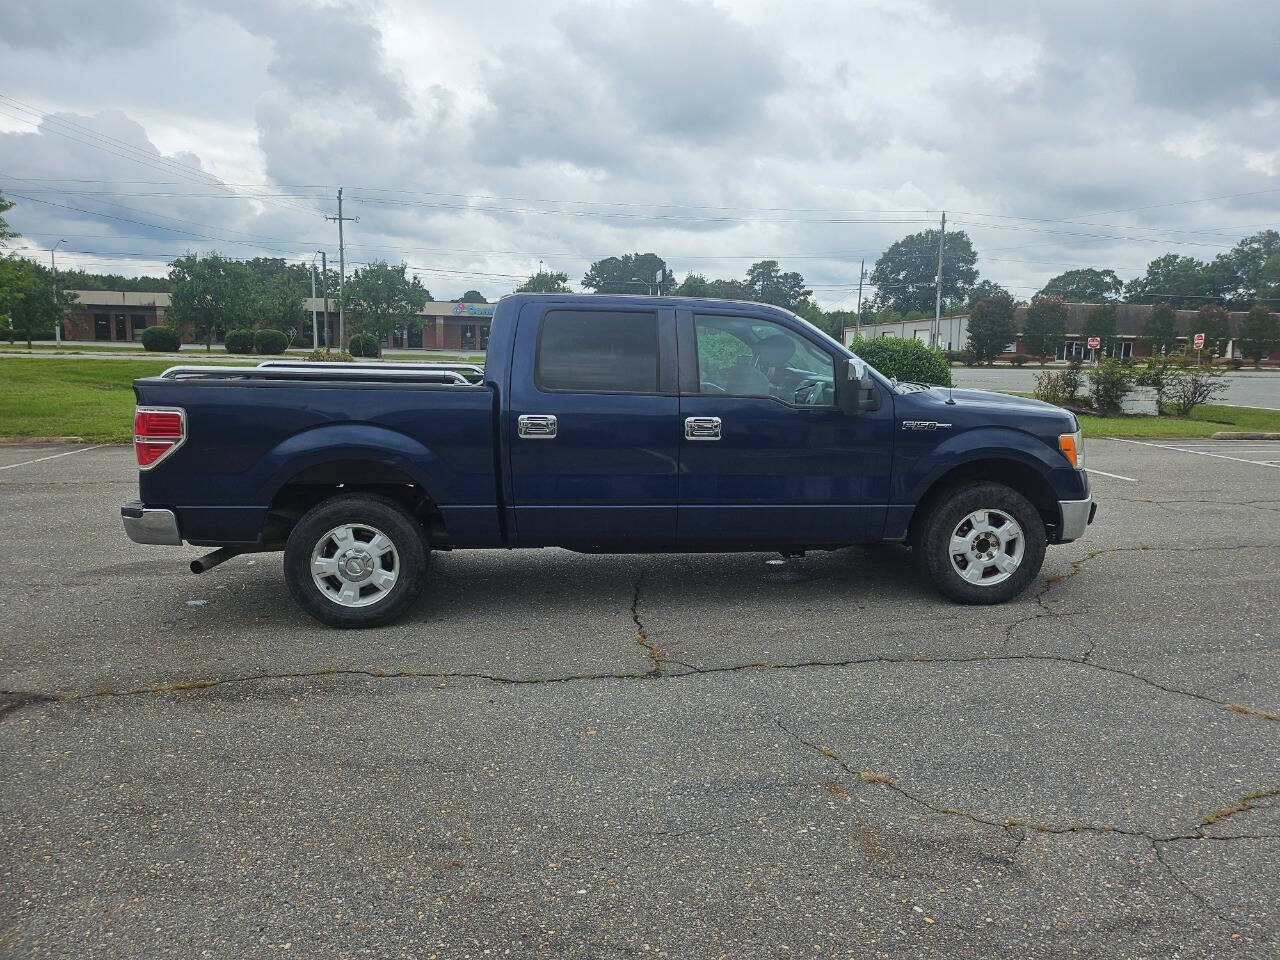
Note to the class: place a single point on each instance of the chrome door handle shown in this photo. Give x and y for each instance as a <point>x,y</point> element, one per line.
<point>536,426</point>
<point>702,428</point>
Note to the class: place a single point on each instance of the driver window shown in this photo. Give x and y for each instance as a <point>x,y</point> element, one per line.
<point>743,357</point>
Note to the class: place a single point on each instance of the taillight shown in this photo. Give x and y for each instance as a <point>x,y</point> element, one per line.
<point>157,432</point>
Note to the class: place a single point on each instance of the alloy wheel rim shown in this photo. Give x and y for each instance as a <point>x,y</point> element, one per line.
<point>987,547</point>
<point>355,565</point>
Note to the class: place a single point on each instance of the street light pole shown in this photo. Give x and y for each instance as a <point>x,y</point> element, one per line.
<point>57,296</point>
<point>324,272</point>
<point>315,326</point>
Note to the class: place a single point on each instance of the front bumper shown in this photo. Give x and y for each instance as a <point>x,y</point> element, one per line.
<point>1076,516</point>
<point>146,524</point>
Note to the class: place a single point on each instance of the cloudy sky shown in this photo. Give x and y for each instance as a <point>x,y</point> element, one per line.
<point>477,139</point>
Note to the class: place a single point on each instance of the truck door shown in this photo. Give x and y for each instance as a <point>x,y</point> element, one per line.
<point>592,427</point>
<point>767,459</point>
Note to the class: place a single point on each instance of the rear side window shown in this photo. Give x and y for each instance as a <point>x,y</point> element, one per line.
<point>598,352</point>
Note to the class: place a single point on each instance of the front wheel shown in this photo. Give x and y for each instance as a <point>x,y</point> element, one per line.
<point>355,561</point>
<point>981,543</point>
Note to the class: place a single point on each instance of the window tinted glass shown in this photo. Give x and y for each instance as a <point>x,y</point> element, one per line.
<point>755,358</point>
<point>598,352</point>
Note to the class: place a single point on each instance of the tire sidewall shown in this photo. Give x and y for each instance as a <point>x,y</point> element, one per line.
<point>377,512</point>
<point>934,542</point>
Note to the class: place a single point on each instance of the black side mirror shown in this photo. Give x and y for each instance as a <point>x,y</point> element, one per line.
<point>855,389</point>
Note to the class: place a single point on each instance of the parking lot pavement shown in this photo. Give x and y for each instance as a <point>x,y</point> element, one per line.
<point>628,756</point>
<point>1246,388</point>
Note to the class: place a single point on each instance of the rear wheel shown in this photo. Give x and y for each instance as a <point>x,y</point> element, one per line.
<point>981,543</point>
<point>355,561</point>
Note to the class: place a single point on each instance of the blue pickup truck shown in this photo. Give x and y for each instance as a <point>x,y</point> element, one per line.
<point>606,424</point>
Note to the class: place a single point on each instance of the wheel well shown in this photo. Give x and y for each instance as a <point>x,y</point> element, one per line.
<point>1026,480</point>
<point>317,484</point>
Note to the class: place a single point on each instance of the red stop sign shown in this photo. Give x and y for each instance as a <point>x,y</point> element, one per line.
<point>1095,343</point>
<point>1198,341</point>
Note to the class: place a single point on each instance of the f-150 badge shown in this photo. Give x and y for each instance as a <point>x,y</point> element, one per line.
<point>924,425</point>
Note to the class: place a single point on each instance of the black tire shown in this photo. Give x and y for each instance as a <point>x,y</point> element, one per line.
<point>931,545</point>
<point>408,561</point>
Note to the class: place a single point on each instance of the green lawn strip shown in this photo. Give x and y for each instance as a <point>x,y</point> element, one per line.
<point>1204,421</point>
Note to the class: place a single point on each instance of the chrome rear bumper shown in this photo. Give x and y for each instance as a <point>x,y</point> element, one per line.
<point>150,524</point>
<point>1076,517</point>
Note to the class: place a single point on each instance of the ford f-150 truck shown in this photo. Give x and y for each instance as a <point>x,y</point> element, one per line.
<point>602,424</point>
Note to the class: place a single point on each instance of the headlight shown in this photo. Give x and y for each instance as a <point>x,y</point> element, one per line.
<point>1072,447</point>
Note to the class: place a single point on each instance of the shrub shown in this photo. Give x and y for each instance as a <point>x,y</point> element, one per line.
<point>328,356</point>
<point>239,340</point>
<point>903,359</point>
<point>1192,385</point>
<point>1017,360</point>
<point>1158,374</point>
<point>162,339</point>
<point>1057,387</point>
<point>1109,383</point>
<point>365,345</point>
<point>270,341</point>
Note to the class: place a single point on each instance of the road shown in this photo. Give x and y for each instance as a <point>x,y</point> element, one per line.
<point>1245,389</point>
<point>683,756</point>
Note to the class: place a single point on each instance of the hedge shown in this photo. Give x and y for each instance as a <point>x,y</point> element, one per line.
<point>365,345</point>
<point>904,359</point>
<point>239,341</point>
<point>270,341</point>
<point>161,339</point>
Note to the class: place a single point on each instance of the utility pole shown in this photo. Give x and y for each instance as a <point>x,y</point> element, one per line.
<point>57,294</point>
<point>315,324</point>
<point>342,274</point>
<point>324,272</point>
<point>857,317</point>
<point>937,303</point>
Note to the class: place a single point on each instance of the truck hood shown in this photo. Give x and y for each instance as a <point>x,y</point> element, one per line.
<point>989,398</point>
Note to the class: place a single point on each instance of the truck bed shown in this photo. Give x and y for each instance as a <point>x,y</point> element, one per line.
<point>252,430</point>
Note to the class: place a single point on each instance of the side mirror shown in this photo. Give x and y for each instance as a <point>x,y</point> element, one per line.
<point>855,389</point>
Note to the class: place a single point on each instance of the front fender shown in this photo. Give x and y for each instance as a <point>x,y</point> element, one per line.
<point>918,472</point>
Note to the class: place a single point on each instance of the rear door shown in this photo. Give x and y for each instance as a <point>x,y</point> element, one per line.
<point>593,426</point>
<point>767,459</point>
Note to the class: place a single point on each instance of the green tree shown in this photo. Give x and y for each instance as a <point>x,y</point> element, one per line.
<point>991,328</point>
<point>1179,281</point>
<point>1214,322</point>
<point>769,284</point>
<point>904,275</point>
<point>1100,322</point>
<point>985,290</point>
<point>1161,329</point>
<point>630,273</point>
<point>472,296</point>
<point>211,294</point>
<point>1045,327</point>
<point>544,282</point>
<point>382,299</point>
<point>1086,285</point>
<point>30,298</point>
<point>1259,333</point>
<point>5,233</point>
<point>278,306</point>
<point>1245,271</point>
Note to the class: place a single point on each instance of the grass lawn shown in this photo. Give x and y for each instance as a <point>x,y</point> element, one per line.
<point>1204,421</point>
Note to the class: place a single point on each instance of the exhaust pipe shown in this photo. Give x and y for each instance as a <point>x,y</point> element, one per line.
<point>211,560</point>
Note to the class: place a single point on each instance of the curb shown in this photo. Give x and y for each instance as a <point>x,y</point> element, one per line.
<point>1229,435</point>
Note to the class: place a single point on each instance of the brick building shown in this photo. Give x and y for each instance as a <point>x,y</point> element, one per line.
<point>116,315</point>
<point>1131,318</point>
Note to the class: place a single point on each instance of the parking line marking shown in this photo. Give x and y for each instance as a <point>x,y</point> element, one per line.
<point>1113,476</point>
<point>1199,453</point>
<point>55,456</point>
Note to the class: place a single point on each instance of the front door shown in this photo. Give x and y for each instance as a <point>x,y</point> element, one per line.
<point>593,427</point>
<point>767,459</point>
<point>122,327</point>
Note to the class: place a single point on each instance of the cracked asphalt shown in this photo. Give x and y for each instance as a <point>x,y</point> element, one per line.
<point>687,756</point>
